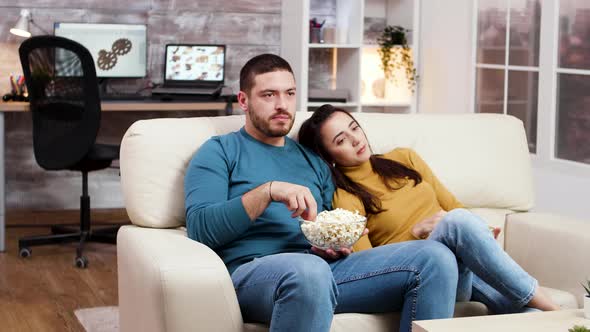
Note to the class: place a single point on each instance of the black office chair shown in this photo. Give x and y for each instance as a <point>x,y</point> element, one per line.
<point>65,104</point>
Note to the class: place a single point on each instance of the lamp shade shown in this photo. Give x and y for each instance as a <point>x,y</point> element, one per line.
<point>22,25</point>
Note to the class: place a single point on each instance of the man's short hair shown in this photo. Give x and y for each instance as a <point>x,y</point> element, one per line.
<point>261,64</point>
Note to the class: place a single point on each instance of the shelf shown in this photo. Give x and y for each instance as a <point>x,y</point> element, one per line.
<point>340,63</point>
<point>334,45</point>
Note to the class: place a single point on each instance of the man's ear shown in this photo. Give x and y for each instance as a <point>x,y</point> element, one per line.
<point>243,100</point>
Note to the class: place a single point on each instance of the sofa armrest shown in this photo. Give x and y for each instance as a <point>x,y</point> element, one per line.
<point>551,248</point>
<point>168,282</point>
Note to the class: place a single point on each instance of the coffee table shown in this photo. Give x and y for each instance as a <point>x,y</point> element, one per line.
<point>551,321</point>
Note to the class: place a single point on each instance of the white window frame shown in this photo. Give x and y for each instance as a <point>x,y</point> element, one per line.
<point>547,93</point>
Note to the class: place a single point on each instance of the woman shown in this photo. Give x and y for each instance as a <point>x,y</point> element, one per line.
<point>403,201</point>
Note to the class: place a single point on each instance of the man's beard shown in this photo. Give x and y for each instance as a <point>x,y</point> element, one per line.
<point>263,125</point>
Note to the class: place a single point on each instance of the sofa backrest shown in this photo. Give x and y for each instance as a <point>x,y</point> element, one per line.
<point>482,158</point>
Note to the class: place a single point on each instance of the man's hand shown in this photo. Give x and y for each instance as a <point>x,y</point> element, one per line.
<point>298,199</point>
<point>423,229</point>
<point>331,254</point>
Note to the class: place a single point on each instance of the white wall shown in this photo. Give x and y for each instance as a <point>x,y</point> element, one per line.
<point>446,87</point>
<point>561,193</point>
<point>446,56</point>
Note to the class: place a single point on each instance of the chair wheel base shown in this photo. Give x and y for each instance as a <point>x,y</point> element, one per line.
<point>25,252</point>
<point>81,262</point>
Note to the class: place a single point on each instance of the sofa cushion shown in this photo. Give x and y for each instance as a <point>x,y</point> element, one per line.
<point>482,158</point>
<point>390,321</point>
<point>154,157</point>
<point>379,322</point>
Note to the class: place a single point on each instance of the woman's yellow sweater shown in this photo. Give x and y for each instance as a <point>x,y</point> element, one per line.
<point>404,207</point>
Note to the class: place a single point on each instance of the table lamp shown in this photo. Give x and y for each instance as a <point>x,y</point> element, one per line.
<point>21,27</point>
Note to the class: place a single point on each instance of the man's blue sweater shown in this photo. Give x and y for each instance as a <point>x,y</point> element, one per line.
<point>225,168</point>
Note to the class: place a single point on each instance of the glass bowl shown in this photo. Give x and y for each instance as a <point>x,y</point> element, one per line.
<point>332,234</point>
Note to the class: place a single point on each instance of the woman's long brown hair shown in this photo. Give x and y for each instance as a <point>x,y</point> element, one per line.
<point>388,170</point>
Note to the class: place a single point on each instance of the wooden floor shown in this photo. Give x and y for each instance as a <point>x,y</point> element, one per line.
<point>40,293</point>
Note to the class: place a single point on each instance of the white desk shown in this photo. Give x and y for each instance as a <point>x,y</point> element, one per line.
<point>107,106</point>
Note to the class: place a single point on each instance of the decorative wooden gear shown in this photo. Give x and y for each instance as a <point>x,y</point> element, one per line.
<point>106,60</point>
<point>121,46</point>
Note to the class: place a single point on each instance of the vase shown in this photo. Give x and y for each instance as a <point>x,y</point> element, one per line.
<point>587,307</point>
<point>315,35</point>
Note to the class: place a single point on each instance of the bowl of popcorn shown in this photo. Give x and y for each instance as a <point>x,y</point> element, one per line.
<point>334,229</point>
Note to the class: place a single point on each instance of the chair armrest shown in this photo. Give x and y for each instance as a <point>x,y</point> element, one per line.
<point>553,249</point>
<point>168,282</point>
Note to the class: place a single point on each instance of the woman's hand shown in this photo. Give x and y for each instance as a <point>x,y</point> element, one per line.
<point>423,229</point>
<point>331,254</point>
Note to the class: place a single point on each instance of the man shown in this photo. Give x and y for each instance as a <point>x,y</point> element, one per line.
<point>243,191</point>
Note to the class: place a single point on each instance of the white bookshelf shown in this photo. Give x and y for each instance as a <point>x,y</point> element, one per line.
<point>346,66</point>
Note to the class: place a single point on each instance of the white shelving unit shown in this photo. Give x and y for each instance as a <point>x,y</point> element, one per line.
<point>346,69</point>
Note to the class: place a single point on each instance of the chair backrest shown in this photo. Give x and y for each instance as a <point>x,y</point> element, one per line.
<point>64,99</point>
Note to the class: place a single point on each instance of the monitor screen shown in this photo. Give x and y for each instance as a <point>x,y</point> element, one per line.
<point>194,63</point>
<point>118,50</point>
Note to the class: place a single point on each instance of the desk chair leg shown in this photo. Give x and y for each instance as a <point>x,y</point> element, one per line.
<point>85,204</point>
<point>48,239</point>
<point>59,229</point>
<point>25,243</point>
<point>104,238</point>
<point>80,261</point>
<point>106,230</point>
<point>66,234</point>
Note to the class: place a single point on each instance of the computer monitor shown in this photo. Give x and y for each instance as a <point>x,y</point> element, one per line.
<point>118,50</point>
<point>195,65</point>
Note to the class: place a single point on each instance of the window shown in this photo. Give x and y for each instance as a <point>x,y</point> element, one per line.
<point>542,79</point>
<point>573,82</point>
<point>507,64</point>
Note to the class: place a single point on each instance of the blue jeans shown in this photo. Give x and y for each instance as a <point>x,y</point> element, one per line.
<point>486,273</point>
<point>301,291</point>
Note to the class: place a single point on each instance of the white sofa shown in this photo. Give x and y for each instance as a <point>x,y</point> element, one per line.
<point>168,282</point>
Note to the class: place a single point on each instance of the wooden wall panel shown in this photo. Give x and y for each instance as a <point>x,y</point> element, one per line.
<point>247,27</point>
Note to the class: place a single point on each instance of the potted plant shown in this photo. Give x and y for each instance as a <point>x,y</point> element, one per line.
<point>579,328</point>
<point>396,37</point>
<point>587,299</point>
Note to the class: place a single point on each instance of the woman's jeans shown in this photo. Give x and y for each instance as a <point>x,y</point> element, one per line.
<point>301,291</point>
<point>486,273</point>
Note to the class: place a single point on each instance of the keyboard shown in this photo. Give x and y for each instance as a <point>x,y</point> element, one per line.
<point>186,91</point>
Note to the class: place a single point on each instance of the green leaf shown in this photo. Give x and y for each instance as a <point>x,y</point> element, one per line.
<point>395,35</point>
<point>578,328</point>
